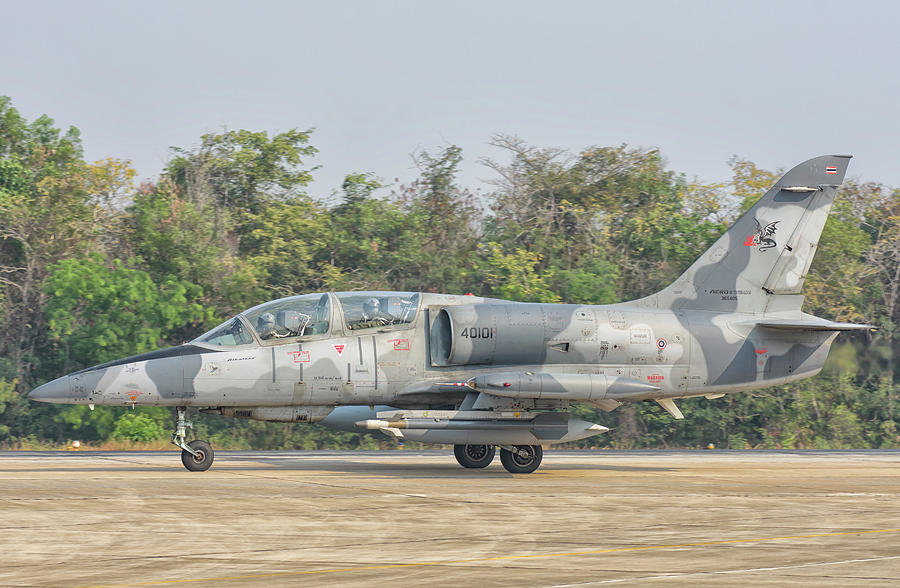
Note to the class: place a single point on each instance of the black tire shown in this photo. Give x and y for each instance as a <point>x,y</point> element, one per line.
<point>199,463</point>
<point>474,456</point>
<point>517,464</point>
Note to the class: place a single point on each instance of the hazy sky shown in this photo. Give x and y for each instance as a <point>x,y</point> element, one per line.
<point>775,82</point>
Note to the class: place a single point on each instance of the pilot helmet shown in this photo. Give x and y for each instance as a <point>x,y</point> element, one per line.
<point>265,324</point>
<point>370,308</point>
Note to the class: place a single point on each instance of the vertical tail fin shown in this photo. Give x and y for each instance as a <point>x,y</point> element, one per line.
<point>765,255</point>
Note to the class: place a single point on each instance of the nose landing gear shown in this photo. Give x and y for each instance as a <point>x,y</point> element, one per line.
<point>197,455</point>
<point>200,459</point>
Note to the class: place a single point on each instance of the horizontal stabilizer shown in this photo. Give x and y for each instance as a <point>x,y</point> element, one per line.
<point>813,325</point>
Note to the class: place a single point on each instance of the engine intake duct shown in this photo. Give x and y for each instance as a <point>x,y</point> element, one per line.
<point>489,334</point>
<point>575,387</point>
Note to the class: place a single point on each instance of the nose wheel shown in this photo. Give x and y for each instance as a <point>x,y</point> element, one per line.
<point>197,455</point>
<point>200,459</point>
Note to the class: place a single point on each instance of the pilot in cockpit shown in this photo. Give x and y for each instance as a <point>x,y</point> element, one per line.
<point>372,315</point>
<point>265,325</point>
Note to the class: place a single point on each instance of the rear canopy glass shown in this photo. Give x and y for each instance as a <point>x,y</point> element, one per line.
<point>366,310</point>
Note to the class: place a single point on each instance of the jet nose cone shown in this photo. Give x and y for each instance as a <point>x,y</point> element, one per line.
<point>55,391</point>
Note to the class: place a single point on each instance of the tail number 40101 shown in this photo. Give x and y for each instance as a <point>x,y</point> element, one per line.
<point>479,332</point>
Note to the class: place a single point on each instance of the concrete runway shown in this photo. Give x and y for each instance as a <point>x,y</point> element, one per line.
<point>707,518</point>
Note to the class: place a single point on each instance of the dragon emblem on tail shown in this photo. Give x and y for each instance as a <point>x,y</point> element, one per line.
<point>762,236</point>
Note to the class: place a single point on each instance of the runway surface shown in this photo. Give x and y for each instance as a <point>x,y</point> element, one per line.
<point>705,518</point>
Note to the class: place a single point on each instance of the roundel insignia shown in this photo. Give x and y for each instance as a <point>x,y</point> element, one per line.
<point>660,344</point>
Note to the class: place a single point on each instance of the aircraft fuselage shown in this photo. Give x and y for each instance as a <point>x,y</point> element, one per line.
<point>680,354</point>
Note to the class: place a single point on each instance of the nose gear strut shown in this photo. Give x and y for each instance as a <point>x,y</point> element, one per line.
<point>197,455</point>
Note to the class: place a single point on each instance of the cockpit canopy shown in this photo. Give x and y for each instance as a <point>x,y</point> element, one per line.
<point>366,310</point>
<point>310,314</point>
<point>296,316</point>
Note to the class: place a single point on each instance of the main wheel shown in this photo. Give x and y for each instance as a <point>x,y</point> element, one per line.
<point>522,464</point>
<point>201,461</point>
<point>474,456</point>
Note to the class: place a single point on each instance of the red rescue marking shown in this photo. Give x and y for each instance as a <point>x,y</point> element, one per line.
<point>761,351</point>
<point>655,378</point>
<point>338,348</point>
<point>400,344</point>
<point>299,356</point>
<point>660,344</point>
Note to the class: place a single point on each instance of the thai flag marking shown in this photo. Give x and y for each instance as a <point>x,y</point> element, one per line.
<point>831,170</point>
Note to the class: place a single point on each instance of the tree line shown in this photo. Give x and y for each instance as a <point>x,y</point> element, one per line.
<point>94,268</point>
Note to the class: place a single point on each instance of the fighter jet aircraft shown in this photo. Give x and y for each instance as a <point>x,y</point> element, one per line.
<point>482,373</point>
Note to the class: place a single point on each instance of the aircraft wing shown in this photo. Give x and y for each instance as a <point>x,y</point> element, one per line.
<point>601,390</point>
<point>430,393</point>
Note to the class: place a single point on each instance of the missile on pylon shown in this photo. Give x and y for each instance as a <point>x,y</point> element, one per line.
<point>544,427</point>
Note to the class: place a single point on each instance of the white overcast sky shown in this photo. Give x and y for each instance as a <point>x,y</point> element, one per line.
<point>775,82</point>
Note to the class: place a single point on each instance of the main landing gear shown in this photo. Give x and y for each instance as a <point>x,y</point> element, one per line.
<point>521,459</point>
<point>474,456</point>
<point>517,459</point>
<point>197,455</point>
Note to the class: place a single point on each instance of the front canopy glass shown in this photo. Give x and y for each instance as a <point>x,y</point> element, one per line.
<point>231,332</point>
<point>297,316</point>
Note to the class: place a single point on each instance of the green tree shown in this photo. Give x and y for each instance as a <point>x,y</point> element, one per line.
<point>241,170</point>
<point>98,312</point>
<point>285,244</point>
<point>137,427</point>
<point>613,209</point>
<point>375,242</point>
<point>7,396</point>
<point>48,204</point>
<point>443,224</point>
<point>749,182</point>
<point>513,276</point>
<point>176,238</point>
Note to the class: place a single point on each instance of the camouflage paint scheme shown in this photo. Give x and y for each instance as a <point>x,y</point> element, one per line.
<point>470,370</point>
